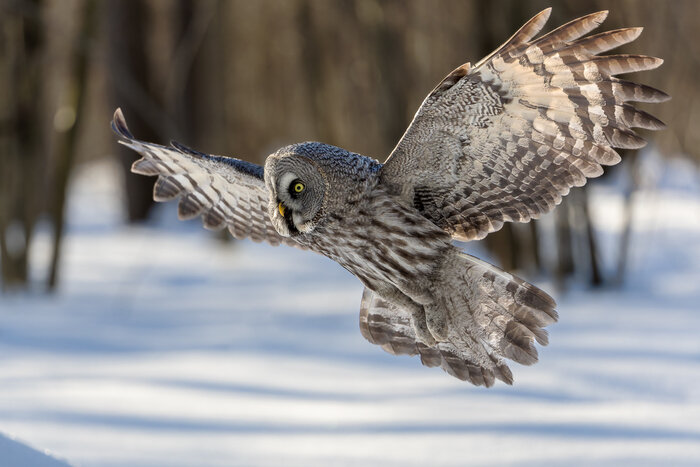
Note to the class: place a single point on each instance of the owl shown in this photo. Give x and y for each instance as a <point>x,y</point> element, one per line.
<point>499,141</point>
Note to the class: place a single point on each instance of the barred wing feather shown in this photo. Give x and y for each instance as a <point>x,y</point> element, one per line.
<point>226,192</point>
<point>506,139</point>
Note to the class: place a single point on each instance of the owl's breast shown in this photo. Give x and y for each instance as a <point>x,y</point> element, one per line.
<point>383,241</point>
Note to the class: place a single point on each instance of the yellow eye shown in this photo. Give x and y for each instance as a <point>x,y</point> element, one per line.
<point>298,187</point>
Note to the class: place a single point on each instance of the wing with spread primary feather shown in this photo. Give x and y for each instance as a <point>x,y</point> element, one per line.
<point>226,192</point>
<point>506,139</point>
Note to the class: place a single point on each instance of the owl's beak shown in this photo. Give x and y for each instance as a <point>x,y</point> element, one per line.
<point>287,216</point>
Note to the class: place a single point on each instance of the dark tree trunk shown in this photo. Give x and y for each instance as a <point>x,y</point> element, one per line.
<point>596,277</point>
<point>564,246</point>
<point>126,23</point>
<point>504,246</point>
<point>23,159</point>
<point>630,167</point>
<point>66,141</point>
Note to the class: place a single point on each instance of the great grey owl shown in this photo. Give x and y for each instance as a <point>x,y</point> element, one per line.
<point>500,141</point>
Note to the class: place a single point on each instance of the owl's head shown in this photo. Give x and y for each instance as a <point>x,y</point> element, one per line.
<point>307,181</point>
<point>297,187</point>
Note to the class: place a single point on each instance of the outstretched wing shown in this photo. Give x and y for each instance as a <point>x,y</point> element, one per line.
<point>388,326</point>
<point>506,139</point>
<point>226,192</point>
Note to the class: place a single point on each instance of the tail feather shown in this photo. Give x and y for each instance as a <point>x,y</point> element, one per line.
<point>505,314</point>
<point>490,316</point>
<point>389,326</point>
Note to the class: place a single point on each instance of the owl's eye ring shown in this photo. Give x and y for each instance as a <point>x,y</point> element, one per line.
<point>296,187</point>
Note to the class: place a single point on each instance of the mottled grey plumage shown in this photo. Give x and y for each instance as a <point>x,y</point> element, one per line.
<point>501,141</point>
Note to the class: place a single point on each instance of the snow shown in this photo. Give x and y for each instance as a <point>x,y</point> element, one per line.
<point>166,346</point>
<point>14,453</point>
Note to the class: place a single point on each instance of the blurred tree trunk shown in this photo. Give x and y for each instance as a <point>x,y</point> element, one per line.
<point>535,245</point>
<point>153,48</point>
<point>311,53</point>
<point>564,246</point>
<point>66,139</point>
<point>126,23</point>
<point>628,215</point>
<point>502,243</point>
<point>596,278</point>
<point>22,157</point>
<point>194,99</point>
<point>392,64</point>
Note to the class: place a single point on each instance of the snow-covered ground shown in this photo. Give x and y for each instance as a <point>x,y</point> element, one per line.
<point>168,347</point>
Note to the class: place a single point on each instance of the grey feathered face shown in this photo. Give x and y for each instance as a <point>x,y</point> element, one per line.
<point>297,188</point>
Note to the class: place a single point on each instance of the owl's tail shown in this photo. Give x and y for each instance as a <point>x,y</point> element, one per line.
<point>491,313</point>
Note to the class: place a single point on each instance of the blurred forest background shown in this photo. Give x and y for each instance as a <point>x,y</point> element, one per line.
<point>242,77</point>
